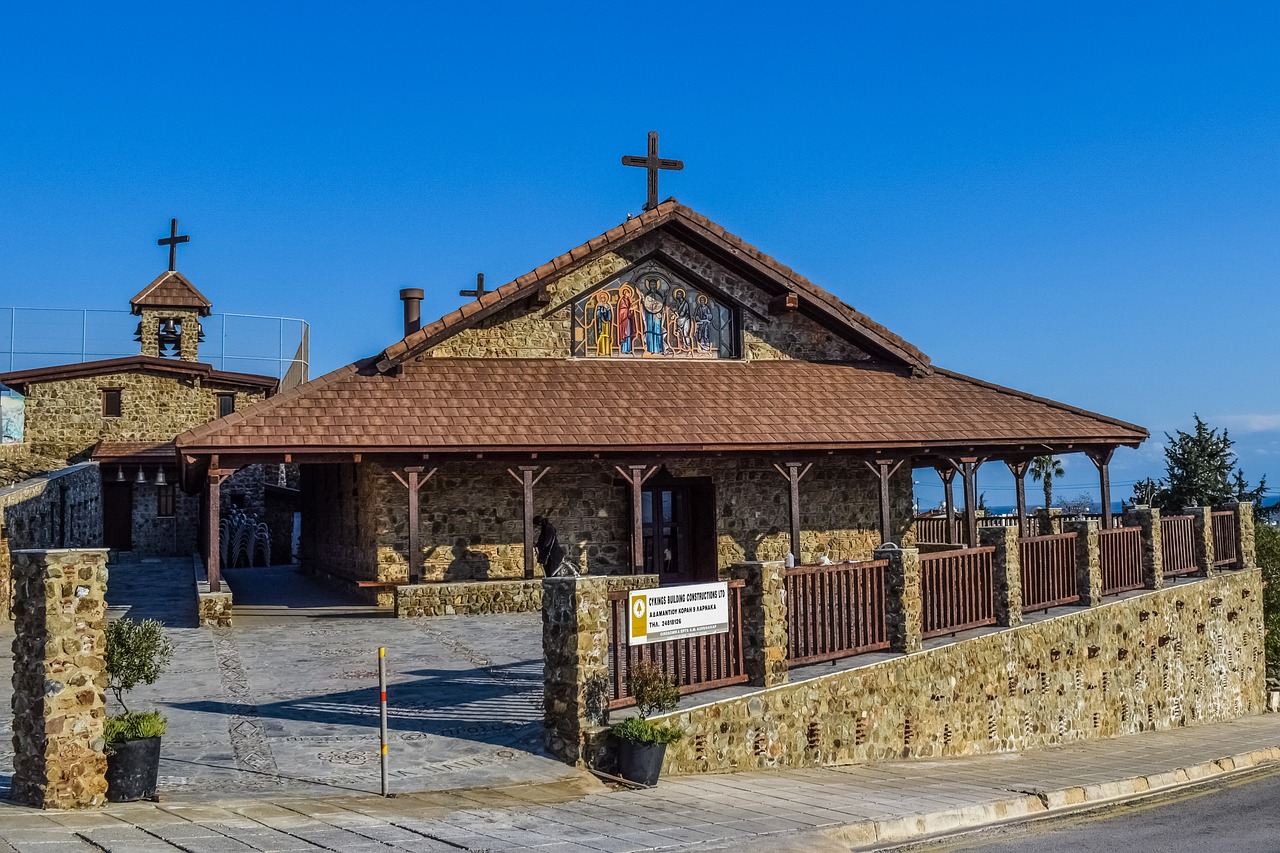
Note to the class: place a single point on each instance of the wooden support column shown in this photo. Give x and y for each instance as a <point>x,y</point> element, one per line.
<point>635,475</point>
<point>1102,461</point>
<point>1019,470</point>
<point>885,469</point>
<point>948,474</point>
<point>527,481</point>
<point>968,466</point>
<point>213,535</point>
<point>414,484</point>
<point>794,475</point>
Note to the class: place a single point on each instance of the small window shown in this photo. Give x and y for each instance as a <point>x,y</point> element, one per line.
<point>164,501</point>
<point>226,404</point>
<point>111,402</point>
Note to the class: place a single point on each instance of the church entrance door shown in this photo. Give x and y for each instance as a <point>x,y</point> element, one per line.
<point>678,520</point>
<point>117,516</point>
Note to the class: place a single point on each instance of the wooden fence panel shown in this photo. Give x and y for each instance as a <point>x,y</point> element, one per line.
<point>1048,565</point>
<point>958,590</point>
<point>1224,540</point>
<point>1178,544</point>
<point>835,611</point>
<point>1120,551</point>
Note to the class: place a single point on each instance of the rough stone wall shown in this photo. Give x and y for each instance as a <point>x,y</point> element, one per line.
<point>164,537</point>
<point>477,598</point>
<point>59,679</point>
<point>64,418</point>
<point>471,516</point>
<point>1184,655</point>
<point>61,509</point>
<point>188,344</point>
<point>528,331</point>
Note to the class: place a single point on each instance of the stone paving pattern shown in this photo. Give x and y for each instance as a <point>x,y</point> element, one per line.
<point>811,809</point>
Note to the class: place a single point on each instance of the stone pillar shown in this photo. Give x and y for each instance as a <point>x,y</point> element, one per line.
<point>575,669</point>
<point>59,678</point>
<point>1203,526</point>
<point>904,600</point>
<point>1088,560</point>
<point>1049,521</point>
<point>1147,519</point>
<point>1245,545</point>
<point>1006,571</point>
<point>764,621</point>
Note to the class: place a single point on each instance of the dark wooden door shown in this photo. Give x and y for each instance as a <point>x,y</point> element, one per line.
<point>117,516</point>
<point>678,521</point>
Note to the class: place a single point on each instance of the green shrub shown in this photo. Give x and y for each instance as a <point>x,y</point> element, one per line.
<point>134,726</point>
<point>137,653</point>
<point>640,730</point>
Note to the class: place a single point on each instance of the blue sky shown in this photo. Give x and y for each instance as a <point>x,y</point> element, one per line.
<point>1078,200</point>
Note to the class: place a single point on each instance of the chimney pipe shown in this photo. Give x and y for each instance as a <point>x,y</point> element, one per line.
<point>412,299</point>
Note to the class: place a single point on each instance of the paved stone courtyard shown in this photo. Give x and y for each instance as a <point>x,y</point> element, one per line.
<point>285,702</point>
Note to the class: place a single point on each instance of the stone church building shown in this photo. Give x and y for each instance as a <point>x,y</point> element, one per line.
<point>123,413</point>
<point>673,399</point>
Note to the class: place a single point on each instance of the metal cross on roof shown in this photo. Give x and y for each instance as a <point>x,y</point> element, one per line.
<point>479,291</point>
<point>172,242</point>
<point>653,163</point>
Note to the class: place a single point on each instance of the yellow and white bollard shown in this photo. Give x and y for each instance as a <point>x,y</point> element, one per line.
<point>382,712</point>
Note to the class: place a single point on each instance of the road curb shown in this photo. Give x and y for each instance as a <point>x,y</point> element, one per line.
<point>869,834</point>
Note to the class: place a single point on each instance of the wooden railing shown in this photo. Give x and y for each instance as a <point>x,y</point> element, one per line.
<point>932,528</point>
<point>1178,544</point>
<point>1120,552</point>
<point>957,590</point>
<point>694,663</point>
<point>835,611</point>
<point>1224,539</point>
<point>1049,577</point>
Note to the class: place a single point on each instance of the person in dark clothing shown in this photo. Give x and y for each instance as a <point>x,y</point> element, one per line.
<point>547,549</point>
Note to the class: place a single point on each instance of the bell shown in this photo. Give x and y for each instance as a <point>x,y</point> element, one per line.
<point>168,328</point>
<point>141,478</point>
<point>160,480</point>
<point>119,473</point>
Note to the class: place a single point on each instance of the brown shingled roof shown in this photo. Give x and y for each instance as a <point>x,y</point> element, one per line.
<point>702,232</point>
<point>620,405</point>
<point>171,289</point>
<point>114,451</point>
<point>19,380</point>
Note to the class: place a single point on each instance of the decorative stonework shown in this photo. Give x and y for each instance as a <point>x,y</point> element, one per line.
<point>59,678</point>
<point>1203,529</point>
<point>1185,655</point>
<point>1246,545</point>
<point>478,598</point>
<point>1006,572</point>
<point>1147,519</point>
<point>903,597</point>
<point>1088,560</point>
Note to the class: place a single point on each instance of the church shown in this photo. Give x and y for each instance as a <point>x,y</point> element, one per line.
<point>670,397</point>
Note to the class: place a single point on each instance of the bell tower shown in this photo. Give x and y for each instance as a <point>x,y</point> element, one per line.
<point>170,308</point>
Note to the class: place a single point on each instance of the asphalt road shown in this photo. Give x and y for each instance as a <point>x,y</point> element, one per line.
<point>1236,815</point>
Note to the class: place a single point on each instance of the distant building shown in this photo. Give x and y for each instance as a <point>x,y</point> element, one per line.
<point>123,413</point>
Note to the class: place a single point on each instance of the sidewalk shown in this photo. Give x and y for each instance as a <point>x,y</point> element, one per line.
<point>827,809</point>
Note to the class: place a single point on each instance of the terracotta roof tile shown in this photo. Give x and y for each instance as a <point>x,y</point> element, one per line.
<point>616,404</point>
<point>170,289</point>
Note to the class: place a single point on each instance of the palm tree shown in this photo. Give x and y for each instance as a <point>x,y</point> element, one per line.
<point>1046,468</point>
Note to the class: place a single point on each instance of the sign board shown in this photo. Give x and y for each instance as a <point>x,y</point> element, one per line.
<point>672,612</point>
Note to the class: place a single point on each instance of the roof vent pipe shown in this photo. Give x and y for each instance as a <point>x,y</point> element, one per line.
<point>412,299</point>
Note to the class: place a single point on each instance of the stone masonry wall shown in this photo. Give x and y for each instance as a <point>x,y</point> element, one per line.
<point>59,679</point>
<point>64,418</point>
<point>486,597</point>
<point>61,509</point>
<point>471,516</point>
<point>1180,656</point>
<point>525,332</point>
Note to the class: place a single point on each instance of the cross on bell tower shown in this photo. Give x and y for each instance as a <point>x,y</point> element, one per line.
<point>172,242</point>
<point>653,163</point>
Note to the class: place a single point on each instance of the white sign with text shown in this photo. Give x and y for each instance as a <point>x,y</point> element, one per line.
<point>672,612</point>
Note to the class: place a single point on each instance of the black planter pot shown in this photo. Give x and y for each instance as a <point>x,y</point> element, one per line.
<point>641,762</point>
<point>132,769</point>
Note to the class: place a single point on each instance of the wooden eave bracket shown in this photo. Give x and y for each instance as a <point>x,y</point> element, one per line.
<point>789,301</point>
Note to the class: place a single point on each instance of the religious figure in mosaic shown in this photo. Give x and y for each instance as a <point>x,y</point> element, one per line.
<point>626,319</point>
<point>604,324</point>
<point>702,321</point>
<point>655,311</point>
<point>684,320</point>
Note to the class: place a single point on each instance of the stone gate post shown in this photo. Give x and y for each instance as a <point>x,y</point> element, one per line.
<point>1049,520</point>
<point>1147,519</point>
<point>1088,560</point>
<point>1203,525</point>
<point>1246,547</point>
<point>1006,566</point>
<point>59,678</point>
<point>765,619</point>
<point>905,603</point>
<point>575,648</point>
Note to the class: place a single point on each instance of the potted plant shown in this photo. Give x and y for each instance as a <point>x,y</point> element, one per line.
<point>642,743</point>
<point>137,652</point>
